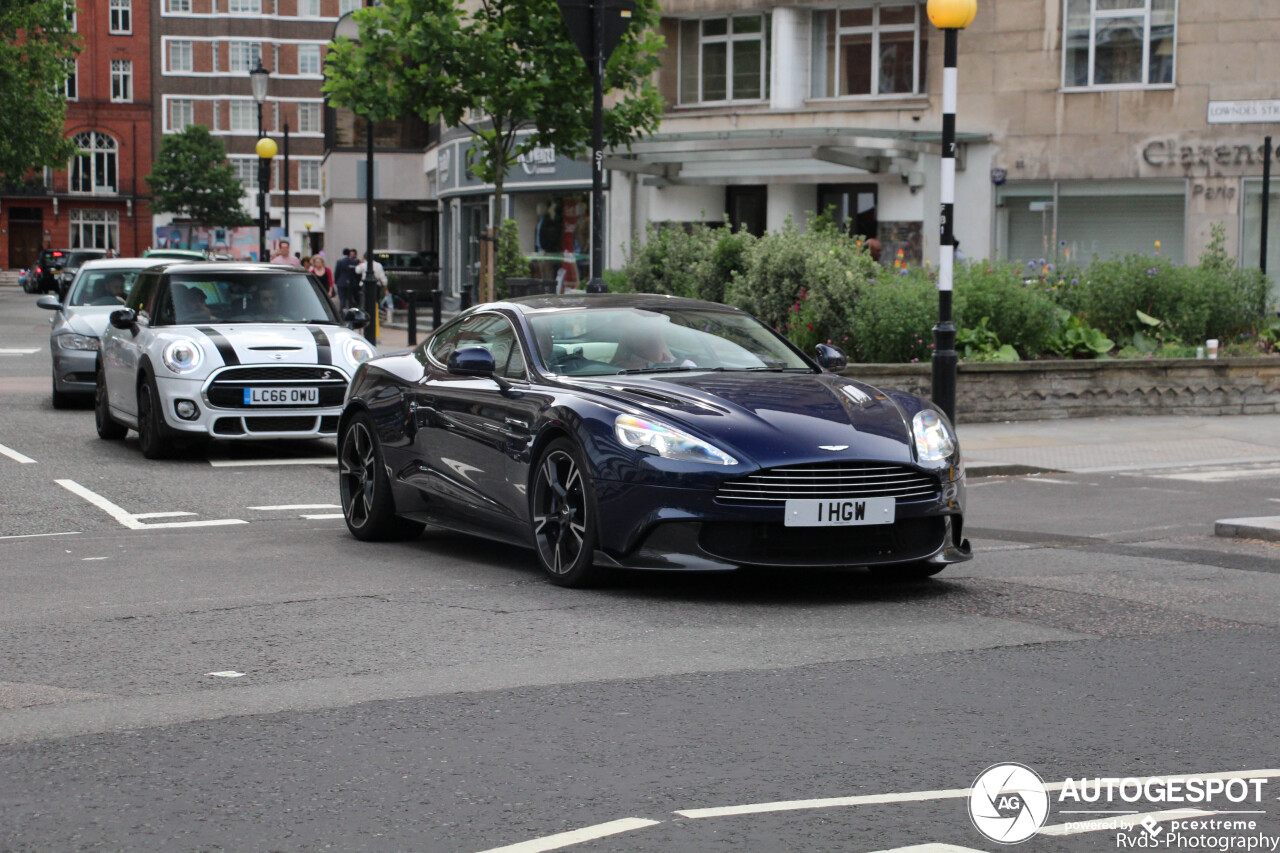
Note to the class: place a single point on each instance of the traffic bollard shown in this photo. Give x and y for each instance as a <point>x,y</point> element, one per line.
<point>436,299</point>
<point>465,299</point>
<point>411,297</point>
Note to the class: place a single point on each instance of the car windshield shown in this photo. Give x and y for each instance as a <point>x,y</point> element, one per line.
<point>103,287</point>
<point>245,298</point>
<point>77,259</point>
<point>604,341</point>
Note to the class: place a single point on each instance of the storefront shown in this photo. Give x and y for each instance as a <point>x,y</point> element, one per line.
<point>546,194</point>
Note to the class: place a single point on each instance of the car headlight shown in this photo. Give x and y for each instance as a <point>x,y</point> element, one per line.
<point>358,351</point>
<point>667,442</point>
<point>183,356</point>
<point>80,342</point>
<point>934,439</point>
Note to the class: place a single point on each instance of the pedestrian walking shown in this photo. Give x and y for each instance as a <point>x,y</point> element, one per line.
<point>344,278</point>
<point>379,274</point>
<point>283,256</point>
<point>322,272</point>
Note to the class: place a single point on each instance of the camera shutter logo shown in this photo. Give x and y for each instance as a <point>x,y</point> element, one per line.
<point>1008,803</point>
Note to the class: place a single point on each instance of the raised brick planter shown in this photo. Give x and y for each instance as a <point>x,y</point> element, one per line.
<point>1039,390</point>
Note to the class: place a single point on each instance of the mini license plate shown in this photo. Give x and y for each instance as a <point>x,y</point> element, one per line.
<point>281,396</point>
<point>840,513</point>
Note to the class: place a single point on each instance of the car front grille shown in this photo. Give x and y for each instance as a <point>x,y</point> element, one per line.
<point>285,423</point>
<point>758,544</point>
<point>831,480</point>
<point>226,391</point>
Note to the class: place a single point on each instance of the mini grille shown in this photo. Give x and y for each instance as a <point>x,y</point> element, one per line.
<point>276,374</point>
<point>226,391</point>
<point>832,480</point>
<point>293,423</point>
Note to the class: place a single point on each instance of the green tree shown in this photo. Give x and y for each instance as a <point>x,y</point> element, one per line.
<point>191,178</point>
<point>506,70</point>
<point>36,43</point>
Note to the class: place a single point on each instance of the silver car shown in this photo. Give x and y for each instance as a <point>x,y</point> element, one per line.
<point>99,288</point>
<point>228,351</point>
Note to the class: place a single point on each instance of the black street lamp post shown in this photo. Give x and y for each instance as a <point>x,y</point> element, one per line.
<point>266,149</point>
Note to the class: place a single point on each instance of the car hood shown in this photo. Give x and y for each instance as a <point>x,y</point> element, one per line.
<point>272,343</point>
<point>89,319</point>
<point>775,418</point>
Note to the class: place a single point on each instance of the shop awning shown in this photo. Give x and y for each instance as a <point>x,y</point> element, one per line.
<point>792,155</point>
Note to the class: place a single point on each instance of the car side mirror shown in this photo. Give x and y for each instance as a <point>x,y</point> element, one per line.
<point>831,358</point>
<point>48,303</point>
<point>355,318</point>
<point>125,318</point>
<point>471,361</point>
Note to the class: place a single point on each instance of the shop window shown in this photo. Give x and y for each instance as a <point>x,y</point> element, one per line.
<point>94,168</point>
<point>95,229</point>
<point>868,51</point>
<point>724,59</point>
<point>1119,43</point>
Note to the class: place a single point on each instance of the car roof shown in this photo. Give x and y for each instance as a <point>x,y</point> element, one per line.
<point>223,267</point>
<point>122,263</point>
<point>655,301</point>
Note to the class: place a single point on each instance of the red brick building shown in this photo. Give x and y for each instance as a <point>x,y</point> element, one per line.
<point>101,199</point>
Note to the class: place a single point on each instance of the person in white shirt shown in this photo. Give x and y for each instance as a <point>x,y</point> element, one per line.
<point>379,275</point>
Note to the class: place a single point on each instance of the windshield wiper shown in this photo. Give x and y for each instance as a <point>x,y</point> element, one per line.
<point>767,369</point>
<point>663,368</point>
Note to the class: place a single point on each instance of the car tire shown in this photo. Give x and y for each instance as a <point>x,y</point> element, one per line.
<point>368,506</point>
<point>562,516</point>
<point>108,428</point>
<point>153,436</point>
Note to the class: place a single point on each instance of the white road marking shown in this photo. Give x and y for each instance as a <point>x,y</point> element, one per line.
<point>227,673</point>
<point>1124,822</point>
<point>17,351</point>
<point>290,507</point>
<point>261,463</point>
<point>91,559</point>
<point>161,514</point>
<point>1224,476</point>
<point>576,836</point>
<point>1034,479</point>
<point>16,456</point>
<point>35,535</point>
<point>323,516</point>
<point>130,520</point>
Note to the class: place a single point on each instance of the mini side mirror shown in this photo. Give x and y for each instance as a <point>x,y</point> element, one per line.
<point>355,318</point>
<point>125,318</point>
<point>48,303</point>
<point>831,358</point>
<point>471,361</point>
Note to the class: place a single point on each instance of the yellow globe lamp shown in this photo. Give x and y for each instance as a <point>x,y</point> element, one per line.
<point>266,148</point>
<point>952,14</point>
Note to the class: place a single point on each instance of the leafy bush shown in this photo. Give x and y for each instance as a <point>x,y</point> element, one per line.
<point>1021,314</point>
<point>1077,339</point>
<point>671,261</point>
<point>978,343</point>
<point>893,319</point>
<point>510,261</point>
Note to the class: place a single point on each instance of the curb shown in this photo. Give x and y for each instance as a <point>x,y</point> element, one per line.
<point>1266,528</point>
<point>1004,469</point>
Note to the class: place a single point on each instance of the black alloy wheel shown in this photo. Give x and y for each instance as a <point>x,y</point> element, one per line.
<point>108,428</point>
<point>152,435</point>
<point>365,490</point>
<point>562,514</point>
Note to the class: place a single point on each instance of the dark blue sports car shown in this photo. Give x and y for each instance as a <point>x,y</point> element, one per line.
<point>647,432</point>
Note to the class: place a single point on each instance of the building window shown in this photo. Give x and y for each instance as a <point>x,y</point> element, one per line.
<point>180,56</point>
<point>309,118</point>
<point>868,51</point>
<point>309,175</point>
<point>180,6</point>
<point>308,59</point>
<point>71,15</point>
<point>308,8</point>
<point>244,7</point>
<point>724,59</point>
<point>345,6</point>
<point>182,114</point>
<point>93,170</point>
<point>244,55</point>
<point>246,169</point>
<point>121,19</point>
<point>1119,43</point>
<point>71,87</point>
<point>244,116</point>
<point>122,80</point>
<point>95,229</point>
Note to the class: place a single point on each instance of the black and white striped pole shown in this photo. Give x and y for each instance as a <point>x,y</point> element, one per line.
<point>950,16</point>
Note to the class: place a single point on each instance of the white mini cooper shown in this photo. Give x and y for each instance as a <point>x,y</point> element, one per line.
<point>221,350</point>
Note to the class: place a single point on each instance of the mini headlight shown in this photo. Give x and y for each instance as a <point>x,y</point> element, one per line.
<point>80,342</point>
<point>934,439</point>
<point>667,442</point>
<point>359,351</point>
<point>183,356</point>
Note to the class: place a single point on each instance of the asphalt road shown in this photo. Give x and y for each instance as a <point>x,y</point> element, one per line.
<point>437,695</point>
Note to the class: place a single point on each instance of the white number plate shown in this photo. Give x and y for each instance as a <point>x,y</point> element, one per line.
<point>840,513</point>
<point>281,396</point>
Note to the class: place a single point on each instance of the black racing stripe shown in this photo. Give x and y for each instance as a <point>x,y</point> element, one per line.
<point>323,355</point>
<point>228,353</point>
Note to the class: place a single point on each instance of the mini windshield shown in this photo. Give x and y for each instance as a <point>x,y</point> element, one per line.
<point>103,287</point>
<point>599,342</point>
<point>195,298</point>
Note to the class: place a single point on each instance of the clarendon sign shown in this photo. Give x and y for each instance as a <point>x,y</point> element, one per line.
<point>1161,153</point>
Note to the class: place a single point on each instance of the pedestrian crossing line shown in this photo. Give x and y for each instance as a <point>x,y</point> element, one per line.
<point>161,514</point>
<point>129,520</point>
<point>16,456</point>
<point>1121,822</point>
<point>263,463</point>
<point>18,351</point>
<point>294,507</point>
<point>324,516</point>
